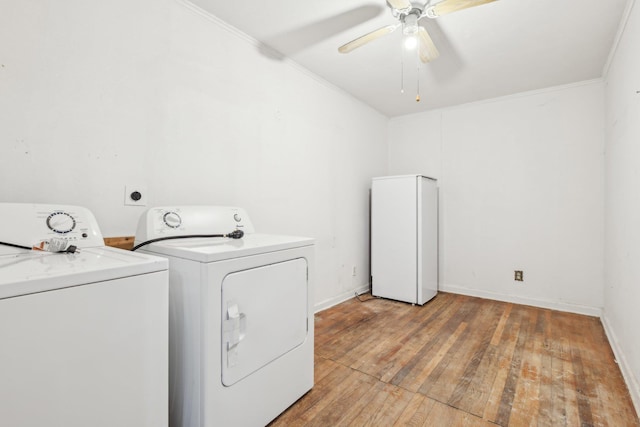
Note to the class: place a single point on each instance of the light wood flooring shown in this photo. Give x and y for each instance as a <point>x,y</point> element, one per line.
<point>460,361</point>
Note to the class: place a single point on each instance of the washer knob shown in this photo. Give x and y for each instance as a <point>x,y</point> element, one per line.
<point>172,219</point>
<point>237,217</point>
<point>61,222</point>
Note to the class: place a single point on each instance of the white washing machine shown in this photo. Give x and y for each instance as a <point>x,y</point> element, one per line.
<point>83,335</point>
<point>240,315</point>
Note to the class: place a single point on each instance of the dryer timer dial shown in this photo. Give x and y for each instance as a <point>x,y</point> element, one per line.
<point>172,219</point>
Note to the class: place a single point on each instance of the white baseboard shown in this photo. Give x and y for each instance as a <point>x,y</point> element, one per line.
<point>633,383</point>
<point>323,305</point>
<point>553,305</point>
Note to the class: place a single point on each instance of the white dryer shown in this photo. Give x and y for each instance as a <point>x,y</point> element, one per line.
<point>83,335</point>
<point>241,316</point>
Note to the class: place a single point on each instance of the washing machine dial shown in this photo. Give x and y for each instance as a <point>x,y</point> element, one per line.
<point>172,219</point>
<point>61,222</point>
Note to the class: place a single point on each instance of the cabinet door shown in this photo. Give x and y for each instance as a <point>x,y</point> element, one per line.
<point>264,315</point>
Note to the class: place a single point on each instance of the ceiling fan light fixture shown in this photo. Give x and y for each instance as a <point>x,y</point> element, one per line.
<point>410,41</point>
<point>410,24</point>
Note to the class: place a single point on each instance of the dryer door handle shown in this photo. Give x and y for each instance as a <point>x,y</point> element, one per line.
<point>235,327</point>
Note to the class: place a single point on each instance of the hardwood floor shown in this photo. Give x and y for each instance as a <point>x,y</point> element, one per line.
<point>460,361</point>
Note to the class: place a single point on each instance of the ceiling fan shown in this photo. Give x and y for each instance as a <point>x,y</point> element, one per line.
<point>409,13</point>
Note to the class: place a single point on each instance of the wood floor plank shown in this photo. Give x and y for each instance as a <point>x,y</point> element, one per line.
<point>500,399</point>
<point>416,373</point>
<point>613,390</point>
<point>391,354</point>
<point>545,393</point>
<point>364,329</point>
<point>558,400</point>
<point>316,407</point>
<point>561,399</point>
<point>596,363</point>
<point>421,362</point>
<point>468,390</point>
<point>569,386</point>
<point>442,415</point>
<point>470,387</point>
<point>398,351</point>
<point>360,405</point>
<point>344,334</point>
<point>461,361</point>
<point>348,394</point>
<point>377,331</point>
<point>395,361</point>
<point>495,339</point>
<point>508,393</point>
<point>385,408</point>
<point>584,393</point>
<point>318,395</point>
<point>322,367</point>
<point>416,412</point>
<point>464,356</point>
<point>479,391</point>
<point>505,352</point>
<point>524,406</point>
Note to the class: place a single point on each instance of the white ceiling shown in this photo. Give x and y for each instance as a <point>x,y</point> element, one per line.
<point>496,49</point>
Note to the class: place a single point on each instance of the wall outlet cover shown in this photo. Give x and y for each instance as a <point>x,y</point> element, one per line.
<point>135,195</point>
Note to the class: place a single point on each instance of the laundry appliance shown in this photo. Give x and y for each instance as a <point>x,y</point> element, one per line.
<point>241,315</point>
<point>83,327</point>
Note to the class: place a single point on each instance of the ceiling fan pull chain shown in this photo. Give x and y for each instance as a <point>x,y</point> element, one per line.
<point>418,77</point>
<point>402,72</point>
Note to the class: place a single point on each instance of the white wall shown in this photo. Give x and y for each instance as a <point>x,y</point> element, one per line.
<point>96,95</point>
<point>521,188</point>
<point>622,261</point>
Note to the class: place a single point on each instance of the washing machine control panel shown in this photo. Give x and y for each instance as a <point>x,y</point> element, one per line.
<point>61,222</point>
<point>191,220</point>
<point>27,225</point>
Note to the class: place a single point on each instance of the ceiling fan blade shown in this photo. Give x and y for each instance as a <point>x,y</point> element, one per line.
<point>400,4</point>
<point>362,40</point>
<point>448,6</point>
<point>427,51</point>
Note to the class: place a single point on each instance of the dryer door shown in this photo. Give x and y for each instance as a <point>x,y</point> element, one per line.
<point>264,315</point>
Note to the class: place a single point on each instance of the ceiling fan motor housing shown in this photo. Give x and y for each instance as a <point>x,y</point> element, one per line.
<point>410,22</point>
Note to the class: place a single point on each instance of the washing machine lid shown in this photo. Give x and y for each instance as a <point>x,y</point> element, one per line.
<point>218,249</point>
<point>35,271</point>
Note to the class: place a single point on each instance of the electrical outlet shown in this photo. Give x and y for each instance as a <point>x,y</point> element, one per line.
<point>135,195</point>
<point>519,276</point>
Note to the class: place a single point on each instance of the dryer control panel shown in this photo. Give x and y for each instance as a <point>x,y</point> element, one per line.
<point>191,220</point>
